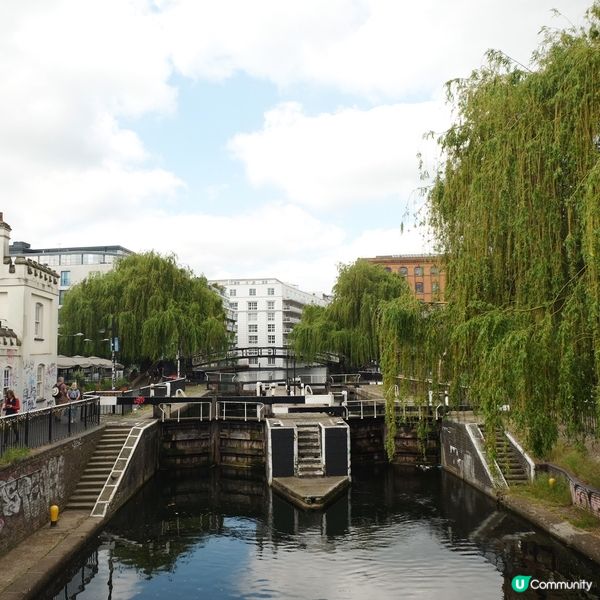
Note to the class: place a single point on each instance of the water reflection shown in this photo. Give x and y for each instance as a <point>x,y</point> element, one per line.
<point>393,535</point>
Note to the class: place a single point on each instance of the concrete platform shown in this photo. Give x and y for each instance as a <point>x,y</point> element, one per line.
<point>310,493</point>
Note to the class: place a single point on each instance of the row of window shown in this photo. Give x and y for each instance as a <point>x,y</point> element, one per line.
<point>418,271</point>
<point>253,339</point>
<point>8,380</point>
<point>252,291</point>
<point>54,260</point>
<point>435,287</point>
<point>253,316</point>
<point>253,328</point>
<point>253,305</point>
<point>65,277</point>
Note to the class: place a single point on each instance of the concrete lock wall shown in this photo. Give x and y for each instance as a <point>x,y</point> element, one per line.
<point>29,487</point>
<point>461,456</point>
<point>142,466</point>
<point>205,443</point>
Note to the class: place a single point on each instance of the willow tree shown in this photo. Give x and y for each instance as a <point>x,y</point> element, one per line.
<point>348,325</point>
<point>516,207</point>
<point>156,308</point>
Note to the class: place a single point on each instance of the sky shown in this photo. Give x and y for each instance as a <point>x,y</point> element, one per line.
<point>272,138</point>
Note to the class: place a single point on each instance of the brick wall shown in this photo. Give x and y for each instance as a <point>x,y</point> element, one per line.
<point>49,476</point>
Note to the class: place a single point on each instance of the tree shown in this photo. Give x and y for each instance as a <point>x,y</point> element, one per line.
<point>348,326</point>
<point>156,308</point>
<point>516,209</point>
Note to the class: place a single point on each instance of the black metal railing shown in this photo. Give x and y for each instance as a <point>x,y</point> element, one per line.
<point>43,426</point>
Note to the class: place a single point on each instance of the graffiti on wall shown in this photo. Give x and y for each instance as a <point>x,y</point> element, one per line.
<point>586,498</point>
<point>32,494</point>
<point>29,385</point>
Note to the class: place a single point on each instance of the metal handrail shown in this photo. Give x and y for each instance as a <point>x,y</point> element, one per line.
<point>166,410</point>
<point>42,426</point>
<point>247,414</point>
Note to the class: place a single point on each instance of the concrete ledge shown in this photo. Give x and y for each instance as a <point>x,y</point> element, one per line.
<point>310,493</point>
<point>584,542</point>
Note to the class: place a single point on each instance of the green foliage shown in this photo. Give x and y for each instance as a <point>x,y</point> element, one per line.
<point>348,326</point>
<point>157,308</point>
<point>14,455</point>
<point>558,494</point>
<point>578,461</point>
<point>516,211</point>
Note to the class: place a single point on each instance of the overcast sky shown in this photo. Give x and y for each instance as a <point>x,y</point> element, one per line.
<point>265,138</point>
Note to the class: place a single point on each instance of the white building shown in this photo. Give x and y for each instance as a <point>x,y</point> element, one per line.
<point>267,310</point>
<point>29,325</point>
<point>75,263</point>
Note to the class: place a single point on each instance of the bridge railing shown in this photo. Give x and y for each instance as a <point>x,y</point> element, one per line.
<point>345,379</point>
<point>43,426</point>
<point>183,411</point>
<point>360,409</point>
<point>243,411</point>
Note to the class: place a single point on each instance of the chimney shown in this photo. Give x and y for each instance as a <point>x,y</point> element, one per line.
<point>4,238</point>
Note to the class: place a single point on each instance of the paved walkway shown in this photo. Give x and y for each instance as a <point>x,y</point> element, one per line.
<point>28,569</point>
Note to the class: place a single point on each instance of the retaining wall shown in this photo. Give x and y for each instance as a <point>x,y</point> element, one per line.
<point>462,454</point>
<point>29,487</point>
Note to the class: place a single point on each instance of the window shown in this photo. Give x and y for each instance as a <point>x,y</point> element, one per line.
<point>270,291</point>
<point>39,384</point>
<point>91,259</point>
<point>51,260</point>
<point>270,304</point>
<point>231,292</point>
<point>418,271</point>
<point>38,329</point>
<point>388,269</point>
<point>435,287</point>
<point>7,379</point>
<point>403,271</point>
<point>434,270</point>
<point>253,339</point>
<point>419,287</point>
<point>252,316</point>
<point>270,339</point>
<point>271,328</point>
<point>70,259</point>
<point>65,278</point>
<point>270,316</point>
<point>253,361</point>
<point>271,360</point>
<point>253,305</point>
<point>233,305</point>
<point>252,292</point>
<point>61,297</point>
<point>253,328</point>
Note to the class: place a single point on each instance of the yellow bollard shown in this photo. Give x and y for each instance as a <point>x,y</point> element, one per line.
<point>53,515</point>
<point>551,481</point>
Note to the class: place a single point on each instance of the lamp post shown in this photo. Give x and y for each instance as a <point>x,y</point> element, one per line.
<point>114,346</point>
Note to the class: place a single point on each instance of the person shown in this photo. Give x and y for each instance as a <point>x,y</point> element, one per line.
<point>12,405</point>
<point>62,397</point>
<point>74,394</point>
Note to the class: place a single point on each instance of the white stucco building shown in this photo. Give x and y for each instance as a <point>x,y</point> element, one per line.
<point>29,325</point>
<point>73,264</point>
<point>267,310</point>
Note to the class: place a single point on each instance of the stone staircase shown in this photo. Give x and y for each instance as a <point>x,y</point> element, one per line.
<point>99,467</point>
<point>507,459</point>
<point>309,450</point>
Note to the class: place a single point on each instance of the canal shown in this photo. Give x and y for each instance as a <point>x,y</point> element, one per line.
<point>204,534</point>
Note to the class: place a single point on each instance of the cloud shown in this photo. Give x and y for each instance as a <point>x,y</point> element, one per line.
<point>332,159</point>
<point>379,49</point>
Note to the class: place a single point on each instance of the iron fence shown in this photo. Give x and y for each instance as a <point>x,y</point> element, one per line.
<point>244,411</point>
<point>43,426</point>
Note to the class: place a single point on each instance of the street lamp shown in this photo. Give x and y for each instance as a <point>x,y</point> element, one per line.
<point>114,342</point>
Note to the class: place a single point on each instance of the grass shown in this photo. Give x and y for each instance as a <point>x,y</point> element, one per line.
<point>578,461</point>
<point>584,520</point>
<point>13,455</point>
<point>540,489</point>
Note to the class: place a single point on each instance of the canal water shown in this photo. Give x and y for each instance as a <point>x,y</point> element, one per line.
<point>207,534</point>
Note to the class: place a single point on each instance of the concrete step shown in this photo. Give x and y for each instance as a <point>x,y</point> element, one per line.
<point>110,444</point>
<point>81,505</point>
<point>81,497</point>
